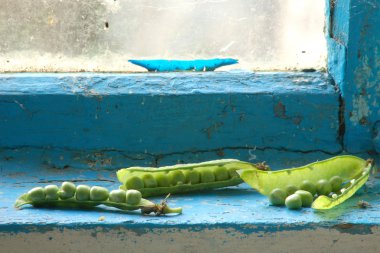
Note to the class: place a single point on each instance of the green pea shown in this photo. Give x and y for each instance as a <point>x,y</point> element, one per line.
<point>149,181</point>
<point>336,183</point>
<point>162,179</point>
<point>306,197</point>
<point>98,193</point>
<point>176,176</point>
<point>207,176</point>
<point>221,173</point>
<point>323,187</point>
<point>293,201</point>
<point>277,197</point>
<point>133,197</point>
<point>291,189</point>
<point>51,192</point>
<point>67,190</point>
<point>232,172</point>
<point>192,176</point>
<point>118,196</point>
<point>83,192</point>
<point>134,182</point>
<point>308,186</point>
<point>36,194</point>
<point>130,200</point>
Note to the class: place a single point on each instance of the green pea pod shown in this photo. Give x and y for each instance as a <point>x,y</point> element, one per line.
<point>183,178</point>
<point>324,202</point>
<point>144,205</point>
<point>347,167</point>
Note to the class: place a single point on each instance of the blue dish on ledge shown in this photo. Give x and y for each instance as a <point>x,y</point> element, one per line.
<point>161,65</point>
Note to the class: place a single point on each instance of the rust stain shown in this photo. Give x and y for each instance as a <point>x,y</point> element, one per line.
<point>220,153</point>
<point>213,128</point>
<point>280,110</point>
<point>363,121</point>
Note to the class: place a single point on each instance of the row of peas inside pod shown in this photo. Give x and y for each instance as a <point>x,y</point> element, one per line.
<point>321,185</point>
<point>83,196</point>
<point>294,197</point>
<point>184,178</point>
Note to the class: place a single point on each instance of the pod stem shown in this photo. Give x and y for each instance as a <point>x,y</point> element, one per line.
<point>160,209</point>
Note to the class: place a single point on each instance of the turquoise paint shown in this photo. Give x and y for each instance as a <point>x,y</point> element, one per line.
<point>354,62</point>
<point>239,208</point>
<point>153,116</point>
<point>92,101</point>
<point>184,65</point>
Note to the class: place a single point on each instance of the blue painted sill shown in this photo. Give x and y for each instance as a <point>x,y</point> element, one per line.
<point>114,120</point>
<point>82,127</point>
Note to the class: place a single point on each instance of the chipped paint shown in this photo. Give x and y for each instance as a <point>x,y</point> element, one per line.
<point>191,113</point>
<point>361,109</point>
<point>354,63</point>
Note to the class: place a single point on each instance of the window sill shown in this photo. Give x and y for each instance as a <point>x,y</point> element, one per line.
<point>113,120</point>
<point>56,126</point>
<point>235,219</point>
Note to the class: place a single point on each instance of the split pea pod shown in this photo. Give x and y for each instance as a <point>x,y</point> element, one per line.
<point>333,180</point>
<point>183,178</point>
<point>83,196</point>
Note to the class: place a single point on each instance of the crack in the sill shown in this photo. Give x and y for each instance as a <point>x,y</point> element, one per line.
<point>157,157</point>
<point>282,149</point>
<point>139,155</point>
<point>88,154</point>
<point>61,180</point>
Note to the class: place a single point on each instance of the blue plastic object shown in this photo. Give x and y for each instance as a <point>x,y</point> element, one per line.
<point>184,65</point>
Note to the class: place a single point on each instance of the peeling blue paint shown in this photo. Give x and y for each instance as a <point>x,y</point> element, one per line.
<point>354,62</point>
<point>238,208</point>
<point>146,117</point>
<point>109,121</point>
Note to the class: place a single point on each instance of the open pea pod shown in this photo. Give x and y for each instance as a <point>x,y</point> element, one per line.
<point>144,205</point>
<point>325,202</point>
<point>353,170</point>
<point>183,178</point>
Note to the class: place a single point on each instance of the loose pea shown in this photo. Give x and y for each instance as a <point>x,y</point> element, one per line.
<point>118,196</point>
<point>293,201</point>
<point>162,179</point>
<point>36,194</point>
<point>336,183</point>
<point>308,186</point>
<point>133,197</point>
<point>221,173</point>
<point>149,181</point>
<point>67,190</point>
<point>134,182</point>
<point>51,192</point>
<point>98,193</point>
<point>277,197</point>
<point>290,189</point>
<point>207,176</point>
<point>306,197</point>
<point>323,187</point>
<point>192,176</point>
<point>176,177</point>
<point>83,192</point>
